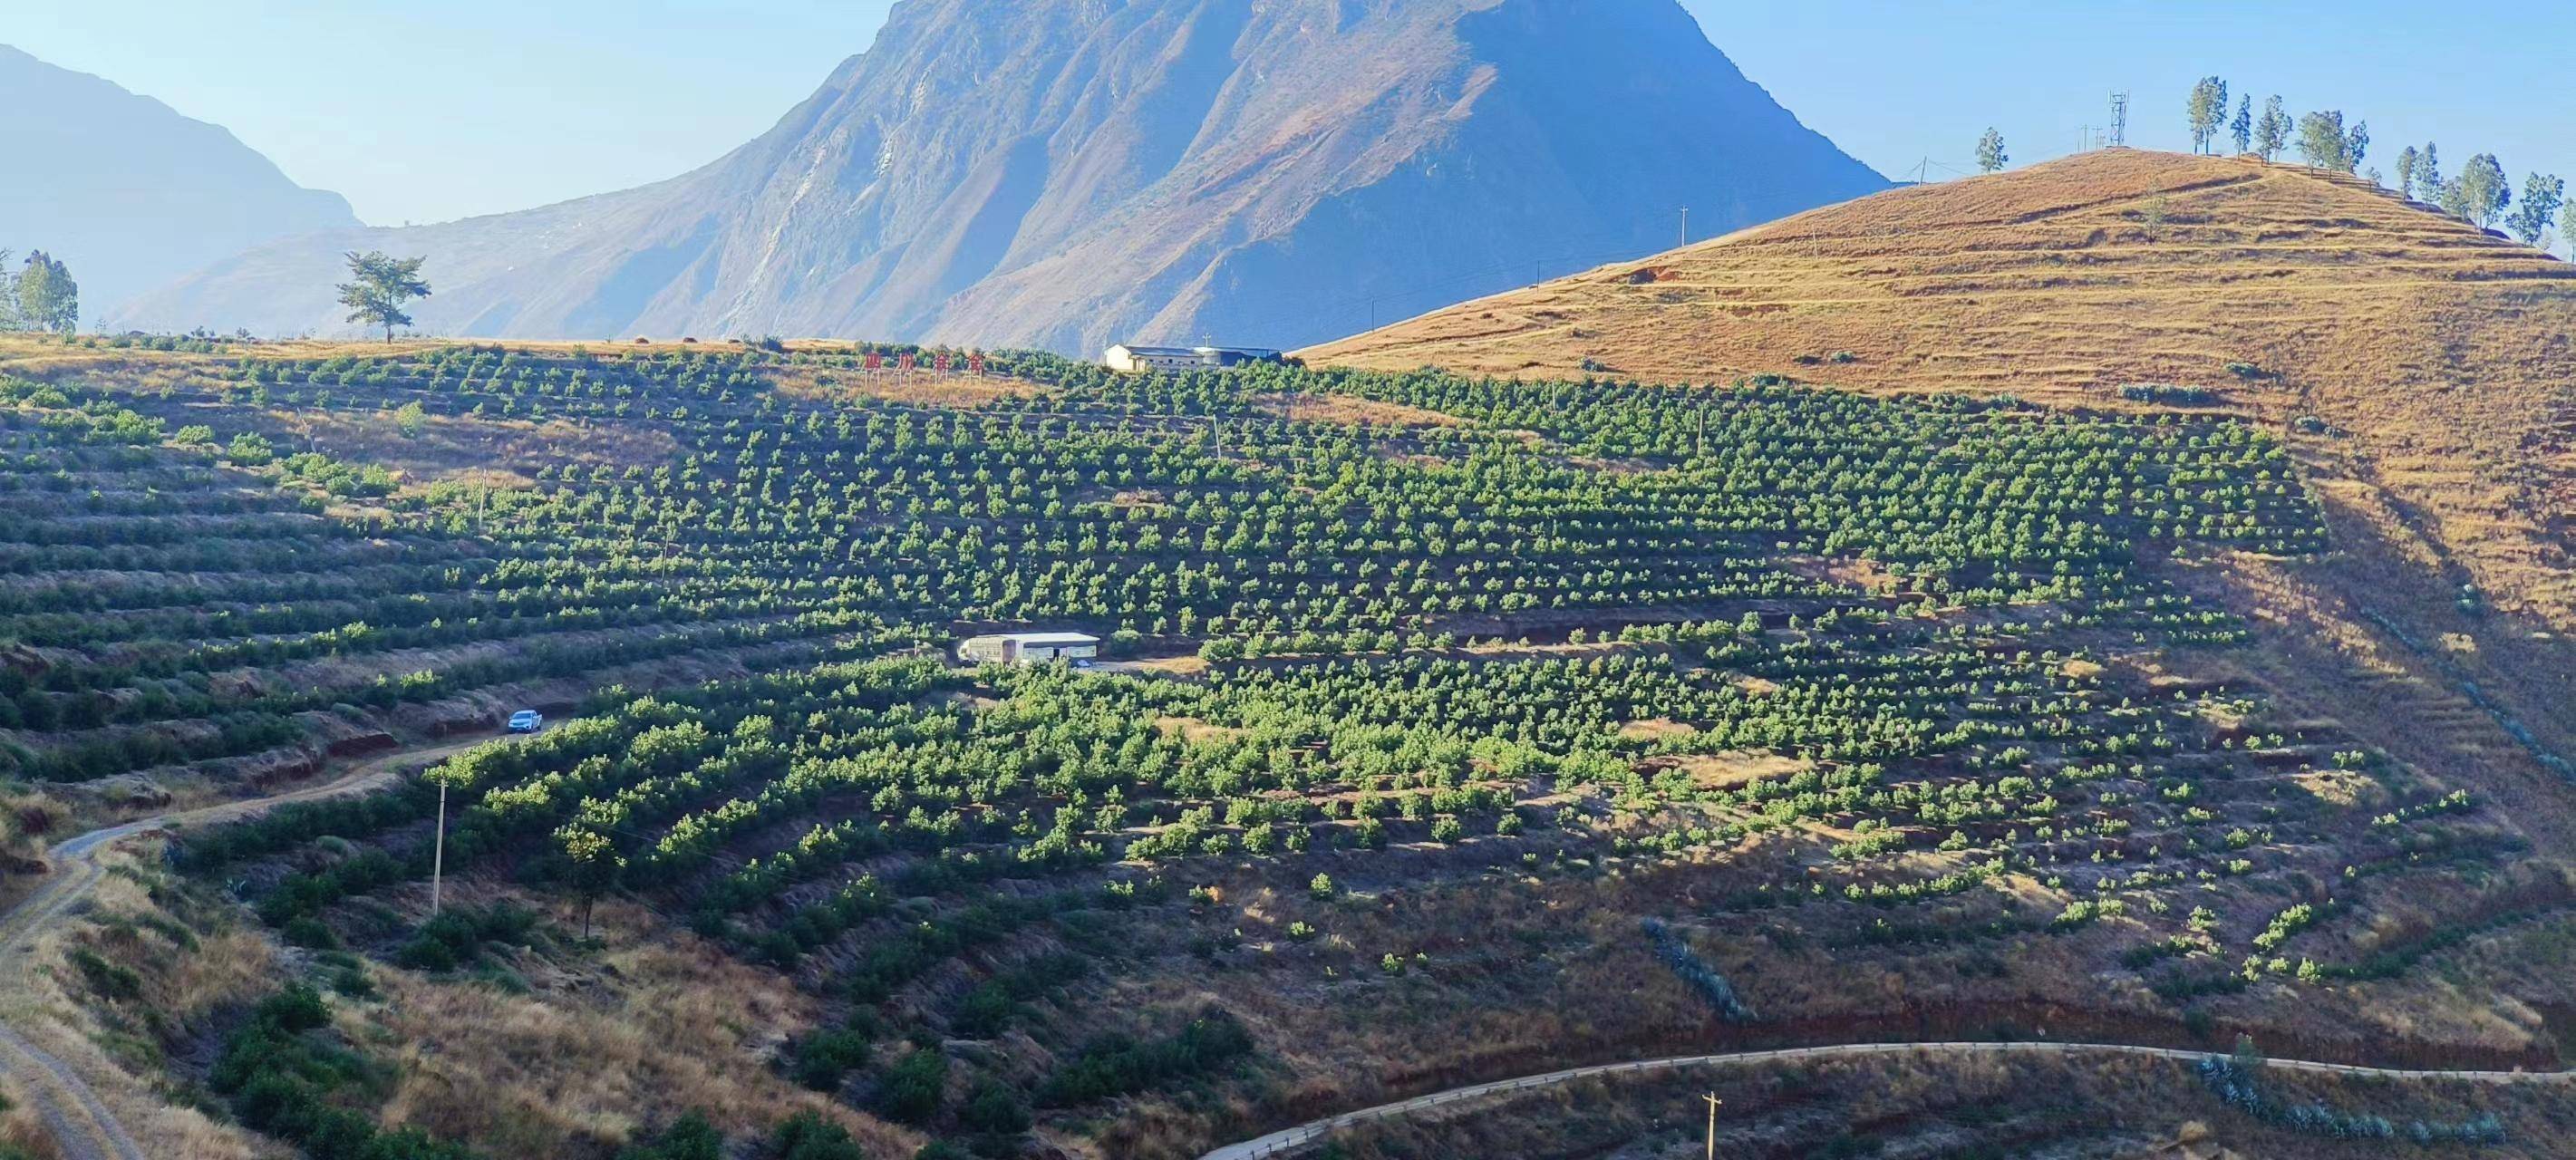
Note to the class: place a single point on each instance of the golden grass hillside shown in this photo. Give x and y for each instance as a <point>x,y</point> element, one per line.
<point>2438,355</point>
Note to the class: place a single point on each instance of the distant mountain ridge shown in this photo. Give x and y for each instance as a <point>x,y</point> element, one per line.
<point>129,193</point>
<point>1037,173</point>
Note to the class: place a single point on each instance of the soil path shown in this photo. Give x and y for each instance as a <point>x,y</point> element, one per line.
<point>1288,1140</point>
<point>82,1125</point>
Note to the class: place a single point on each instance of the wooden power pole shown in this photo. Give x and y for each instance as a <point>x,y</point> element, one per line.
<point>1713,1101</point>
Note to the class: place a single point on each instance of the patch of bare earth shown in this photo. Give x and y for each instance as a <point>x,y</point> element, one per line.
<point>1354,411</point>
<point>925,388</point>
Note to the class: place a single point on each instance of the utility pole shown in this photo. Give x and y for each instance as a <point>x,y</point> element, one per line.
<point>2084,138</point>
<point>1713,1101</point>
<point>438,849</point>
<point>1923,169</point>
<point>1685,225</point>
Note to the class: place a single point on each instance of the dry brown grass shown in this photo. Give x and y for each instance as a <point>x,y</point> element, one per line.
<point>1729,770</point>
<point>922,388</point>
<point>1193,729</point>
<point>658,1023</point>
<point>1353,411</point>
<point>2441,349</point>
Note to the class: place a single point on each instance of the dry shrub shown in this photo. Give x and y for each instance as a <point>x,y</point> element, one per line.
<point>667,1022</point>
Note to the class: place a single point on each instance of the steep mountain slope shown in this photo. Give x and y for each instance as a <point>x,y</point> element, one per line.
<point>130,194</point>
<point>2434,355</point>
<point>1032,173</point>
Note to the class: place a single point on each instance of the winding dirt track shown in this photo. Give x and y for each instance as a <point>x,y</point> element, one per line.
<point>82,1125</point>
<point>1288,1140</point>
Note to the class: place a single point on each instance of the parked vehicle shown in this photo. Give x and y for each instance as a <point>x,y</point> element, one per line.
<point>526,721</point>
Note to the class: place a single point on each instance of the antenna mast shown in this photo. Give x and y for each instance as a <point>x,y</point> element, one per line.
<point>2120,119</point>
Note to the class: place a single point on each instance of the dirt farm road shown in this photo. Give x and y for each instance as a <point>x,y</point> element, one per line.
<point>81,1123</point>
<point>1288,1140</point>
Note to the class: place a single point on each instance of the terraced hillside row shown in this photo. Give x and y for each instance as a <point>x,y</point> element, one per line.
<point>1425,690</point>
<point>2425,354</point>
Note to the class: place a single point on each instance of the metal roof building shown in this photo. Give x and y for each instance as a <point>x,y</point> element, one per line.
<point>1132,359</point>
<point>1027,648</point>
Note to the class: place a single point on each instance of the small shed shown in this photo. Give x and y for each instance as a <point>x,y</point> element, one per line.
<point>1028,648</point>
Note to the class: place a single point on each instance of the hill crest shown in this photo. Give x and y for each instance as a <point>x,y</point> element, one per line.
<point>2429,353</point>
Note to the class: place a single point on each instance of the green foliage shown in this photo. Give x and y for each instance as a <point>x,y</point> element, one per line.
<point>2272,132</point>
<point>1990,151</point>
<point>823,1058</point>
<point>285,1077</point>
<point>2324,143</point>
<point>914,1088</point>
<point>808,1136</point>
<point>691,1137</point>
<point>459,936</point>
<point>2542,195</point>
<point>378,288</point>
<point>1117,1066</point>
<point>2479,193</point>
<point>46,297</point>
<point>110,981</point>
<point>2206,110</point>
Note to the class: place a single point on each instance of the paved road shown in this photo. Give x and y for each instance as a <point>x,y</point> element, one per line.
<point>81,1124</point>
<point>1289,1140</point>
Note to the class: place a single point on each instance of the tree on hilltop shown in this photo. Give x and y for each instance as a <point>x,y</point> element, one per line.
<point>2542,194</point>
<point>2479,193</point>
<point>379,286</point>
<point>2242,128</point>
<point>2406,162</point>
<point>2325,144</point>
<point>1990,151</point>
<point>2272,133</point>
<point>2207,109</point>
<point>8,301</point>
<point>48,298</point>
<point>2428,172</point>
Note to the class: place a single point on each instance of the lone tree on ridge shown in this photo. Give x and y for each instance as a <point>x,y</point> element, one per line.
<point>1990,151</point>
<point>379,286</point>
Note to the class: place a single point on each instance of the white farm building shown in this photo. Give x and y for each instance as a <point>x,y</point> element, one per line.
<point>1028,648</point>
<point>1137,359</point>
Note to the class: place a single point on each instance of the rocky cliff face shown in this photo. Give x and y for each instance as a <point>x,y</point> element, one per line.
<point>1068,173</point>
<point>128,193</point>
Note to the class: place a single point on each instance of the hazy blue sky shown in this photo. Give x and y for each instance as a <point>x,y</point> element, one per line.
<point>424,111</point>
